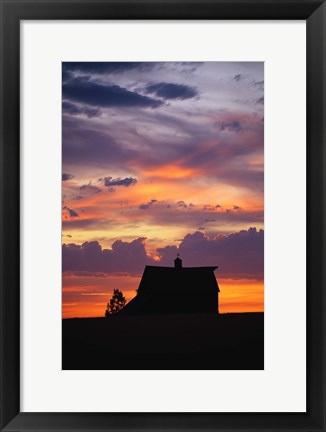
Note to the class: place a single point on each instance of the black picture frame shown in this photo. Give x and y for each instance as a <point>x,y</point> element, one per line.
<point>12,12</point>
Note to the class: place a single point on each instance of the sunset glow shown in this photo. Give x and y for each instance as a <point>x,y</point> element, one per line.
<point>160,159</point>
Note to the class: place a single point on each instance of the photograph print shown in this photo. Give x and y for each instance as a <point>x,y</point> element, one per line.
<point>163,215</point>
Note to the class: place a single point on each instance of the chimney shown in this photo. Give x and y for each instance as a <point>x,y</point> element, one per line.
<point>178,262</point>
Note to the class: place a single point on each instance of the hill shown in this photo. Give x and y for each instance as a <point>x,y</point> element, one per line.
<point>202,341</point>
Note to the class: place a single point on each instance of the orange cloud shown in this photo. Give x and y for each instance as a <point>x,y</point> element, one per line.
<point>171,172</point>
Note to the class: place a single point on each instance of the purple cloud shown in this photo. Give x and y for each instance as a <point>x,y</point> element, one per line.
<point>105,67</point>
<point>72,213</point>
<point>66,177</point>
<point>72,109</point>
<point>90,188</point>
<point>238,77</point>
<point>128,181</point>
<point>147,205</point>
<point>171,91</point>
<point>89,92</point>
<point>235,126</point>
<point>123,257</point>
<point>239,255</point>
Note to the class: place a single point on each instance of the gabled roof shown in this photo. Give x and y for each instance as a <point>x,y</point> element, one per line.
<point>184,277</point>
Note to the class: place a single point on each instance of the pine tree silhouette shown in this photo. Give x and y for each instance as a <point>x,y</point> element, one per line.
<point>116,303</point>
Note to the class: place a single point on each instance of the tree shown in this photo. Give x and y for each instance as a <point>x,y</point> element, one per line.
<point>116,303</point>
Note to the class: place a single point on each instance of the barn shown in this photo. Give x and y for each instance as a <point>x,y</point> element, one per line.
<point>175,290</point>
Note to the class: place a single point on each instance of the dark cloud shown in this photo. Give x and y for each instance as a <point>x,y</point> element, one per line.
<point>171,91</point>
<point>90,188</point>
<point>105,67</point>
<point>72,109</point>
<point>260,101</point>
<point>182,204</point>
<point>72,213</point>
<point>66,176</point>
<point>235,207</point>
<point>86,91</point>
<point>147,205</point>
<point>128,181</point>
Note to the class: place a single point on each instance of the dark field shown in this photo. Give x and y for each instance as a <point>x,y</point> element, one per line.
<point>229,341</point>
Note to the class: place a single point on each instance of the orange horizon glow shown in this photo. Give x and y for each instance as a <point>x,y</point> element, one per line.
<point>235,295</point>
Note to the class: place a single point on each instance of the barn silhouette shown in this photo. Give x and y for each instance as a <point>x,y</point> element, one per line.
<point>175,290</point>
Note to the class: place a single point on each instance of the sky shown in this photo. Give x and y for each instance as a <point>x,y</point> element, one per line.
<point>160,159</point>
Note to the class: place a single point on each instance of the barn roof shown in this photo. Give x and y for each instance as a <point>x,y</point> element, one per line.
<point>185,269</point>
<point>186,276</point>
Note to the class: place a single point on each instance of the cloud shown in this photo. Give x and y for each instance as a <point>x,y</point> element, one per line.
<point>259,85</point>
<point>182,204</point>
<point>125,257</point>
<point>238,255</point>
<point>236,126</point>
<point>128,181</point>
<point>147,205</point>
<point>91,146</point>
<point>66,177</point>
<point>72,109</point>
<point>72,213</point>
<point>90,188</point>
<point>171,91</point>
<point>86,91</point>
<point>260,100</point>
<point>168,213</point>
<point>87,145</point>
<point>238,77</point>
<point>83,274</point>
<point>89,224</point>
<point>208,207</point>
<point>105,67</point>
